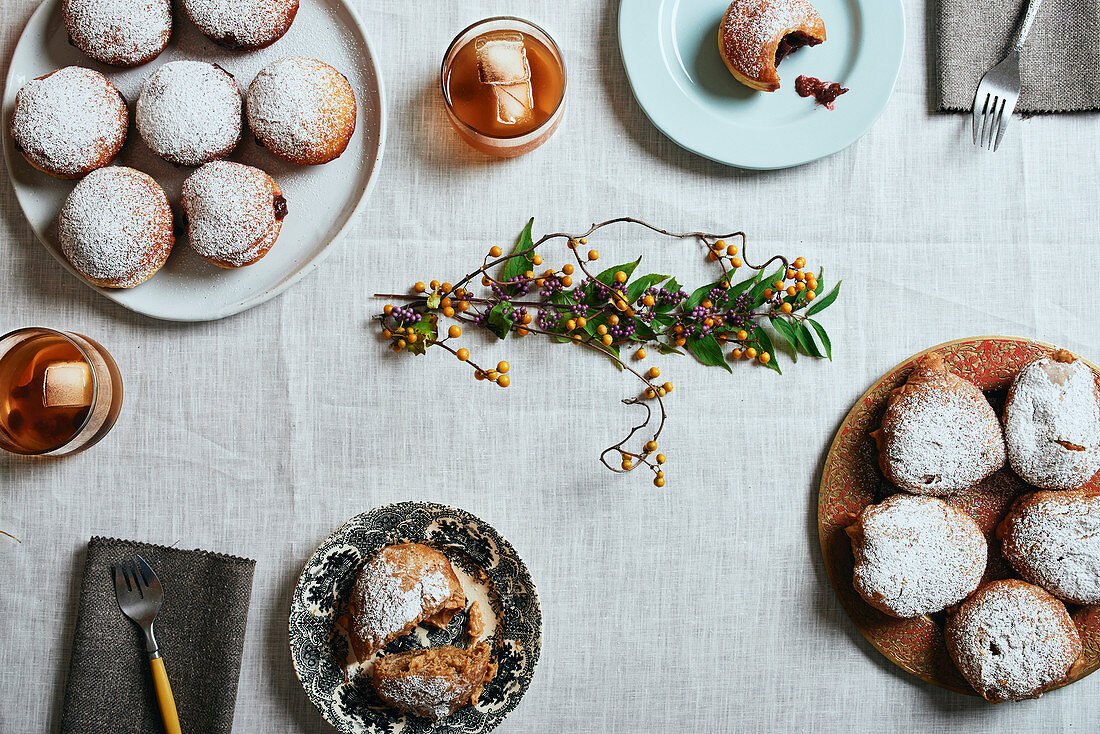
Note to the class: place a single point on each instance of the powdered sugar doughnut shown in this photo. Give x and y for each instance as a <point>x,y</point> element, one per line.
<point>302,110</point>
<point>116,227</point>
<point>755,35</point>
<point>1052,423</point>
<point>189,113</point>
<point>916,555</point>
<point>939,434</point>
<point>69,122</point>
<point>1052,539</point>
<point>234,213</point>
<point>119,32</point>
<point>243,25</point>
<point>1013,641</point>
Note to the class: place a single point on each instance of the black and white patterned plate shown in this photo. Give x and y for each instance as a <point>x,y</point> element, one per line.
<point>491,573</point>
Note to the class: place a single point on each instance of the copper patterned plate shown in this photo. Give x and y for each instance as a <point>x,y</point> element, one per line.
<point>851,481</point>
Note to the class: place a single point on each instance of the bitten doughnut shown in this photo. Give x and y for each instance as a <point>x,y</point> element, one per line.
<point>242,25</point>
<point>400,587</point>
<point>116,227</point>
<point>119,32</point>
<point>916,555</point>
<point>1013,641</point>
<point>1052,423</point>
<point>435,682</point>
<point>189,113</point>
<point>302,110</point>
<point>69,122</point>
<point>755,36</point>
<point>939,434</point>
<point>234,213</point>
<point>1052,539</point>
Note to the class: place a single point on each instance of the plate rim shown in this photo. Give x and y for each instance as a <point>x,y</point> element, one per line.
<point>369,60</point>
<point>436,506</point>
<point>665,125</point>
<point>834,446</point>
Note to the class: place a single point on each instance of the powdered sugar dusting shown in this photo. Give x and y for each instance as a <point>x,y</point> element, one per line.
<point>297,107</point>
<point>70,121</point>
<point>421,693</point>
<point>116,226</point>
<point>119,32</point>
<point>242,23</point>
<point>230,210</point>
<point>916,555</point>
<point>1012,641</point>
<point>939,434</point>
<point>751,30</point>
<point>1053,539</point>
<point>1052,424</point>
<point>387,598</point>
<point>189,112</point>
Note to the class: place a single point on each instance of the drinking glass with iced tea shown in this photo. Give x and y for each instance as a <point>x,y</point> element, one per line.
<point>504,86</point>
<point>60,392</point>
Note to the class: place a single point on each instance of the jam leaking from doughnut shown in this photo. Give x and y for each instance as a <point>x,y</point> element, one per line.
<point>825,93</point>
<point>791,43</point>
<point>280,207</point>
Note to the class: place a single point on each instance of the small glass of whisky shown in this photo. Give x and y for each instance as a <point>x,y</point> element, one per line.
<point>503,84</point>
<point>60,392</point>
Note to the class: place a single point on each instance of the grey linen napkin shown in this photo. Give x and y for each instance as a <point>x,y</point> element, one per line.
<point>1060,65</point>
<point>200,630</point>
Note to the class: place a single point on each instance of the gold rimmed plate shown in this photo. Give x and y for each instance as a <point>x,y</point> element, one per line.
<point>851,481</point>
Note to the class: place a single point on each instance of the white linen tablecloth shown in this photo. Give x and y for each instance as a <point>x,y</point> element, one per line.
<point>702,607</point>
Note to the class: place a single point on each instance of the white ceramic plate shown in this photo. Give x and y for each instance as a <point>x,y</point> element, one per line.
<point>670,50</point>
<point>322,200</point>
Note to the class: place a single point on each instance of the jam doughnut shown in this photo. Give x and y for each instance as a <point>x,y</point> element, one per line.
<point>1052,423</point>
<point>302,110</point>
<point>755,35</point>
<point>1013,641</point>
<point>400,587</point>
<point>435,682</point>
<point>939,434</point>
<point>119,32</point>
<point>189,113</point>
<point>69,122</point>
<point>234,213</point>
<point>916,555</point>
<point>116,227</point>
<point>242,25</point>
<point>1052,539</point>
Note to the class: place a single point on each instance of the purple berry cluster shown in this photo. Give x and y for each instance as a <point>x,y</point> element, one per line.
<point>405,315</point>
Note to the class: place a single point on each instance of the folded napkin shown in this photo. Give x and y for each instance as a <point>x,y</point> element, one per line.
<point>1060,65</point>
<point>200,630</point>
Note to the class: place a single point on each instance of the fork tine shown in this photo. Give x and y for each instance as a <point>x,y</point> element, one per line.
<point>995,124</point>
<point>139,582</point>
<point>150,576</point>
<point>1006,115</point>
<point>121,585</point>
<point>975,115</point>
<point>985,122</point>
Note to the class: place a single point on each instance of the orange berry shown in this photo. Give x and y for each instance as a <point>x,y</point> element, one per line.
<point>593,255</point>
<point>434,284</point>
<point>768,293</point>
<point>650,447</point>
<point>463,306</point>
<point>659,482</point>
<point>601,329</point>
<point>765,358</point>
<point>810,295</point>
<point>786,308</point>
<point>537,259</point>
<point>654,372</point>
<point>742,335</point>
<point>504,380</point>
<point>620,276</point>
<point>583,241</point>
<point>736,354</point>
<point>567,281</point>
<point>660,458</point>
<point>522,332</point>
<point>613,320</point>
<point>800,262</point>
<point>731,250</point>
<point>791,290</point>
<point>419,287</point>
<point>648,301</point>
<point>455,331</point>
<point>581,322</point>
<point>667,386</point>
<point>567,269</point>
<point>640,354</point>
<point>503,367</point>
<point>706,304</point>
<point>607,340</point>
<point>736,262</point>
<point>387,309</point>
<point>495,251</point>
<point>449,312</point>
<point>446,287</point>
<point>750,353</point>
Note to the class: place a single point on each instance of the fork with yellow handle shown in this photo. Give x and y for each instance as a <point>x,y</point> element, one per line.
<point>139,596</point>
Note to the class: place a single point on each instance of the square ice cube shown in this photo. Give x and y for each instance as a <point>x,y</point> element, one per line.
<point>67,385</point>
<point>502,58</point>
<point>515,102</point>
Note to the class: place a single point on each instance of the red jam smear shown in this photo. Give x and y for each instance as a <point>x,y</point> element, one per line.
<point>824,92</point>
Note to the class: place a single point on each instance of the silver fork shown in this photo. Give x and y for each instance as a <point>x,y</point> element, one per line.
<point>139,596</point>
<point>999,89</point>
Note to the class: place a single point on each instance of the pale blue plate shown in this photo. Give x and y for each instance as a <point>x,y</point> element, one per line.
<point>670,50</point>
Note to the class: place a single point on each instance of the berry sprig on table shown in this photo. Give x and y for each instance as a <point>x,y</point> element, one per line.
<point>611,310</point>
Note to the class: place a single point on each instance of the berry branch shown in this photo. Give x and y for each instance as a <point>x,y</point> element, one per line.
<point>610,310</point>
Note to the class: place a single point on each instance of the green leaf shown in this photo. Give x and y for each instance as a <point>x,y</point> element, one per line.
<point>824,338</point>
<point>823,303</point>
<point>765,342</point>
<point>806,339</point>
<point>635,290</point>
<point>428,331</point>
<point>785,330</point>
<point>741,287</point>
<point>672,287</point>
<point>643,332</point>
<point>514,266</point>
<point>667,349</point>
<point>697,296</point>
<point>757,292</point>
<point>499,321</point>
<point>708,351</point>
<point>607,277</point>
<point>435,299</point>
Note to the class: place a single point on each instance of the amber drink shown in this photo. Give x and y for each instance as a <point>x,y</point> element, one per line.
<point>504,86</point>
<point>59,392</point>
